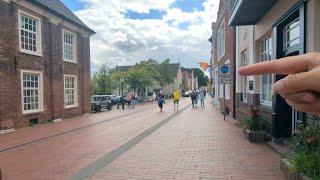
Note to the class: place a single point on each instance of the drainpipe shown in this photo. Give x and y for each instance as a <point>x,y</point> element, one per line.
<point>234,72</point>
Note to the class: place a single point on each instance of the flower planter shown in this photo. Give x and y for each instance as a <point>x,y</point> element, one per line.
<point>255,136</point>
<point>286,169</point>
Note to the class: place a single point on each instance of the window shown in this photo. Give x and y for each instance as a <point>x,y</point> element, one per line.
<point>266,80</point>
<point>221,41</point>
<point>30,34</point>
<point>31,83</point>
<point>291,34</point>
<point>69,46</point>
<point>70,91</point>
<point>244,79</point>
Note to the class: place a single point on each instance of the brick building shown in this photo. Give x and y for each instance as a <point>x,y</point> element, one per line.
<point>277,29</point>
<point>44,63</point>
<point>223,52</point>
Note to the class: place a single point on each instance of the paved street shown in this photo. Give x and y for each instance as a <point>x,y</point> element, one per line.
<point>137,144</point>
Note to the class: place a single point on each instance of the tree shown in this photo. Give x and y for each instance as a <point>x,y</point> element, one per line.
<point>101,82</point>
<point>164,70</point>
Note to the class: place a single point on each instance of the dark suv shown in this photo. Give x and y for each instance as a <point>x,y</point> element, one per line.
<point>99,102</point>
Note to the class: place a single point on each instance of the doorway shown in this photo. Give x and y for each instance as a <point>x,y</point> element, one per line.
<point>290,41</point>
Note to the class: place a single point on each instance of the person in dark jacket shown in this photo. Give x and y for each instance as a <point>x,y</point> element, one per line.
<point>161,101</point>
<point>193,97</point>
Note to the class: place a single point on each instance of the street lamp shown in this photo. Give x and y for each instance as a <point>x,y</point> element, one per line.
<point>121,81</point>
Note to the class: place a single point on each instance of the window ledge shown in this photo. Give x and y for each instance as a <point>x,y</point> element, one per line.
<point>32,112</point>
<point>31,53</point>
<point>69,61</point>
<point>71,107</point>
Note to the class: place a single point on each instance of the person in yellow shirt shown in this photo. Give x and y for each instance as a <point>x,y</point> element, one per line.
<point>176,98</point>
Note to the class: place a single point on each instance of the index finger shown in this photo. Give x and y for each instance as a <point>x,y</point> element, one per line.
<point>287,65</point>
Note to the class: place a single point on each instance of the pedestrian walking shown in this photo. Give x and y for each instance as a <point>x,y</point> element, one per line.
<point>193,97</point>
<point>202,96</point>
<point>134,101</point>
<point>161,101</point>
<point>176,98</point>
<point>129,98</point>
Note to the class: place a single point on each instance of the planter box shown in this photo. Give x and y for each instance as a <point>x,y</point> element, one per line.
<point>255,136</point>
<point>286,169</point>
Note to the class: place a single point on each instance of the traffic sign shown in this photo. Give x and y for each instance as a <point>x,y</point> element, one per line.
<point>224,74</point>
<point>224,69</point>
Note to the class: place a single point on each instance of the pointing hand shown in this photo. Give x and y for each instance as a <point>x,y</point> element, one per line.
<point>301,88</point>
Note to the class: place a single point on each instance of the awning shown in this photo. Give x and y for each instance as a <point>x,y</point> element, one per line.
<point>249,12</point>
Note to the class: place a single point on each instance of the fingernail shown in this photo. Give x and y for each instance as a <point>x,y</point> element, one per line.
<point>278,87</point>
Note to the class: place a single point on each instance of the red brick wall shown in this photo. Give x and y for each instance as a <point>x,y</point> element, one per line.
<point>229,54</point>
<point>51,65</point>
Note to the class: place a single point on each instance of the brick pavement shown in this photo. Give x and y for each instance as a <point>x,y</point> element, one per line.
<point>60,156</point>
<point>196,144</point>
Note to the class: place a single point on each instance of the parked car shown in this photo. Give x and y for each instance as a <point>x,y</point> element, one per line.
<point>115,99</point>
<point>99,102</point>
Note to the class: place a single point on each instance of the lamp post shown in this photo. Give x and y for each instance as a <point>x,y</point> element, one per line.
<point>122,98</point>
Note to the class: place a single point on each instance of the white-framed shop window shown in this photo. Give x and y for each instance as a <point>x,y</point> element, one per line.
<point>221,41</point>
<point>244,79</point>
<point>31,91</point>
<point>70,91</point>
<point>266,80</point>
<point>29,34</point>
<point>69,46</point>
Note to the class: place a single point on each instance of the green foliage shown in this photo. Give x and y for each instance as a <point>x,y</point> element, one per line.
<point>101,82</point>
<point>306,162</point>
<point>164,75</point>
<point>139,76</point>
<point>305,157</point>
<point>254,122</point>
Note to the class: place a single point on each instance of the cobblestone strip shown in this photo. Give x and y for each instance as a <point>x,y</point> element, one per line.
<point>105,160</point>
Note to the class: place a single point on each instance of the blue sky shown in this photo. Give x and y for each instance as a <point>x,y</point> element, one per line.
<point>184,5</point>
<point>74,5</point>
<point>128,31</point>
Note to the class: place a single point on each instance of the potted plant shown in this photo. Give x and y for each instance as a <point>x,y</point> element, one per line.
<point>253,127</point>
<point>304,160</point>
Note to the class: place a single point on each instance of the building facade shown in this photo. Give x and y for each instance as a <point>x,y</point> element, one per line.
<point>278,29</point>
<point>189,80</point>
<point>223,53</point>
<point>44,63</point>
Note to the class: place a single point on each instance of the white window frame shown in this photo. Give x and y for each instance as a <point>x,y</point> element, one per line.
<point>286,29</point>
<point>244,79</point>
<point>264,52</point>
<point>76,103</point>
<point>221,43</point>
<point>74,47</point>
<point>39,34</point>
<point>40,86</point>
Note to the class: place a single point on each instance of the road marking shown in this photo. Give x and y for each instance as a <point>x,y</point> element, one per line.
<point>96,166</point>
<point>69,131</point>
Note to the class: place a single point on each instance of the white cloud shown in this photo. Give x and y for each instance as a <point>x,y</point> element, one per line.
<point>123,41</point>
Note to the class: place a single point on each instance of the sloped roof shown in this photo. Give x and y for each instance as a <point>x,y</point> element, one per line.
<point>59,9</point>
<point>123,68</point>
